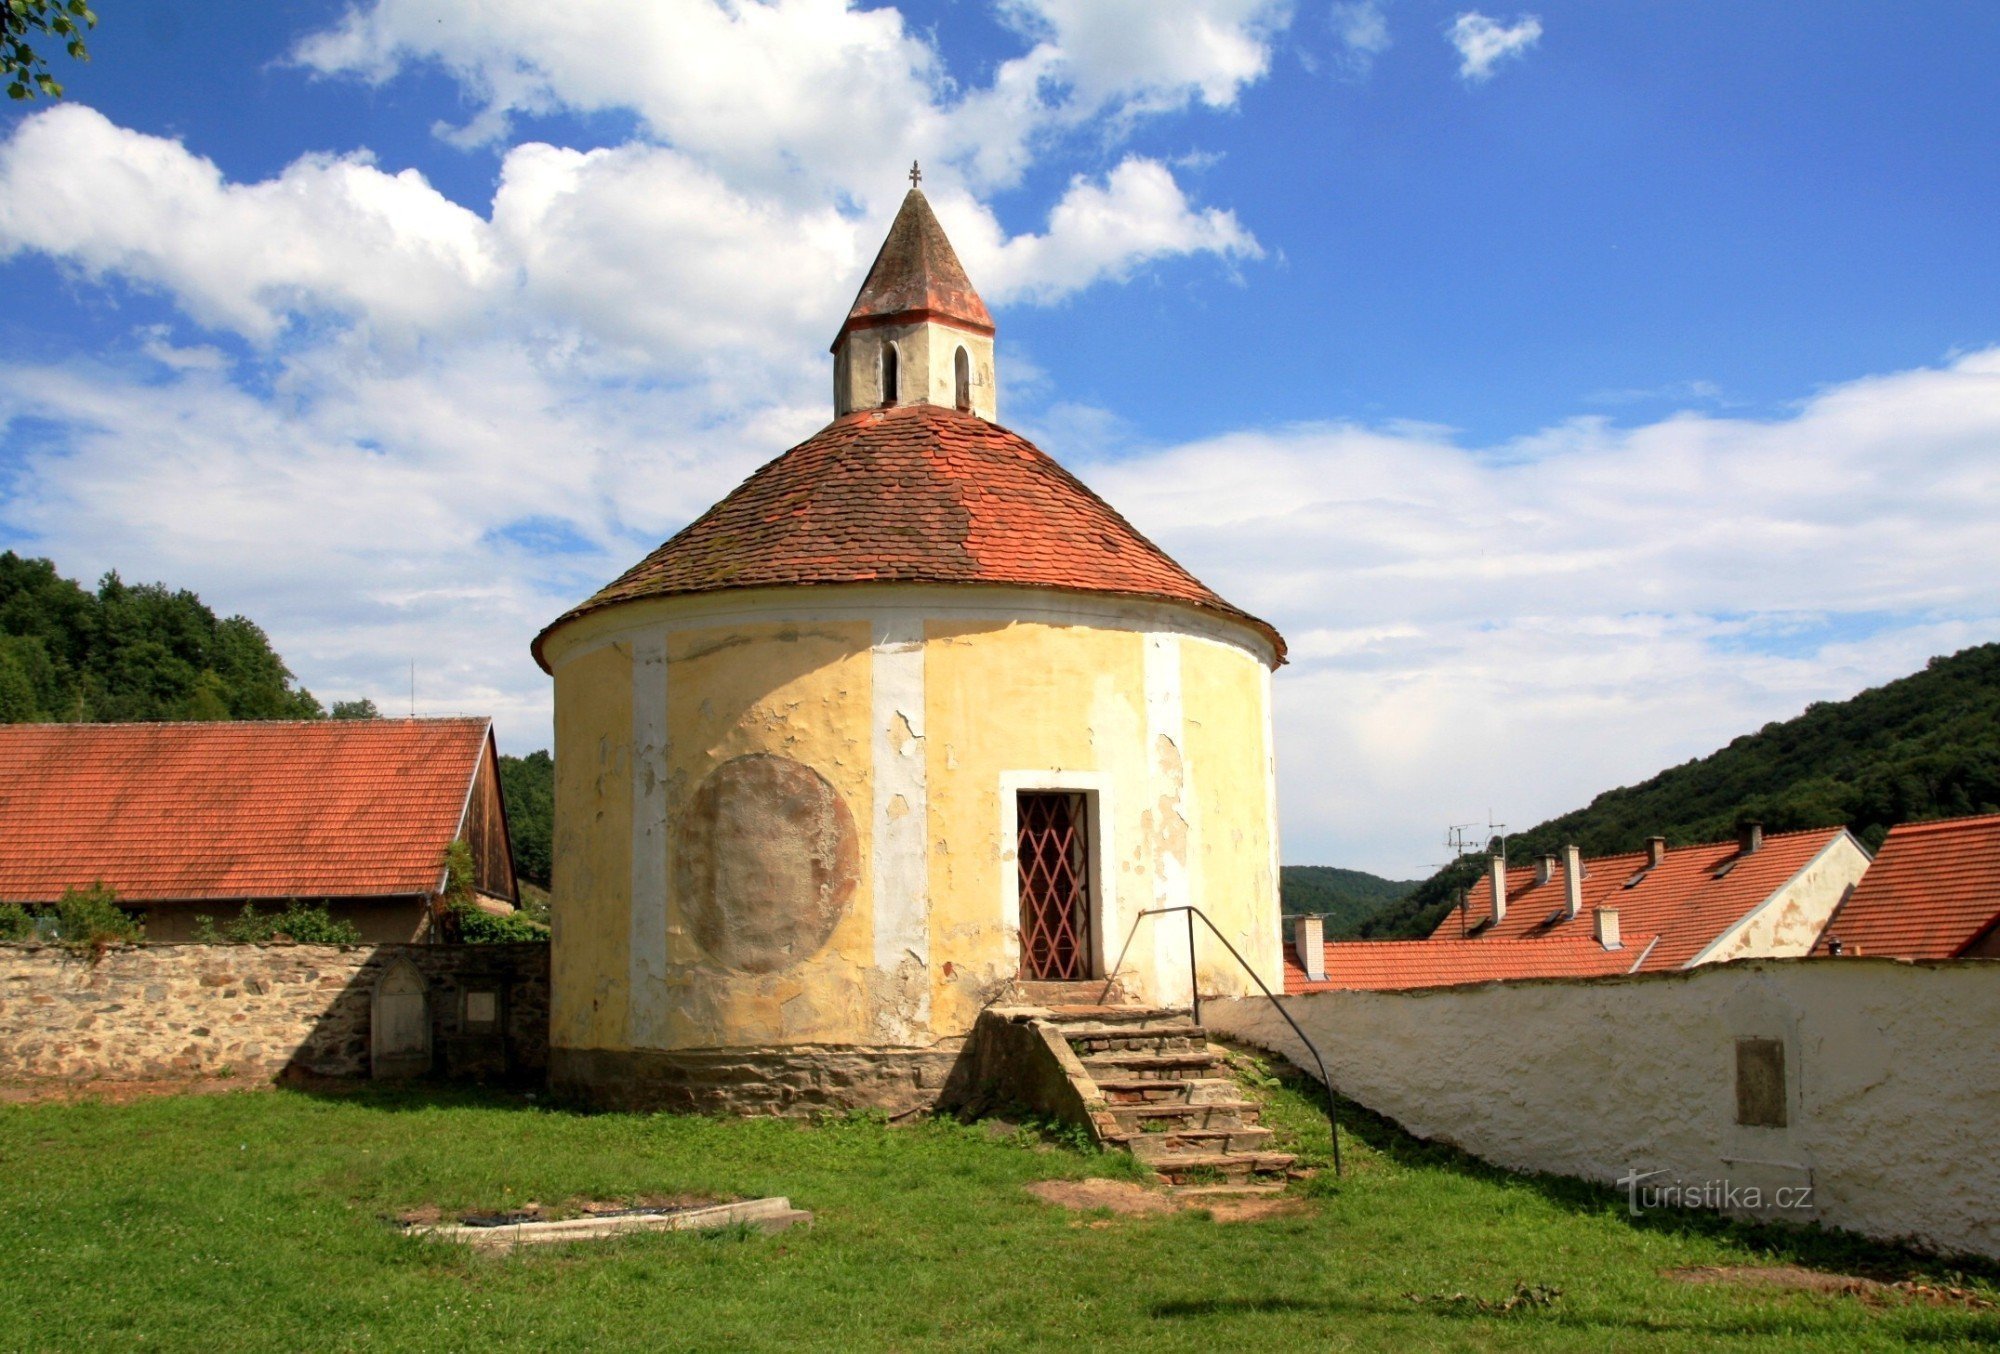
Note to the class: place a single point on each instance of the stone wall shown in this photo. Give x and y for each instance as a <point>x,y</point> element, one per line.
<point>147,1012</point>
<point>1883,1084</point>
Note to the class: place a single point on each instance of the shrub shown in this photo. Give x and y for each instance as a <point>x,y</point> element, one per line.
<point>304,923</point>
<point>483,928</point>
<point>465,922</point>
<point>90,919</point>
<point>15,923</point>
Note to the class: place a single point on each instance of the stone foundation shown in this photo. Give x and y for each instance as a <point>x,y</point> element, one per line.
<point>793,1079</point>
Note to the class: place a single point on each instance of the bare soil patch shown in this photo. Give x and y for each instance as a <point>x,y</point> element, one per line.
<point>1796,1279</point>
<point>1117,1196</point>
<point>122,1092</point>
<point>1127,1198</point>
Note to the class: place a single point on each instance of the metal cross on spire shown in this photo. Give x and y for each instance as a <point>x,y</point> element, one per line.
<point>916,174</point>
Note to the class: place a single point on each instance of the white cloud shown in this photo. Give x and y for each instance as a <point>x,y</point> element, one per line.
<point>796,96</point>
<point>1362,30</point>
<point>637,256</point>
<point>1483,43</point>
<point>329,233</point>
<point>1519,627</point>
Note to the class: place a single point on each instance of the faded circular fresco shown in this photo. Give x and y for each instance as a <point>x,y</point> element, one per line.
<point>765,862</point>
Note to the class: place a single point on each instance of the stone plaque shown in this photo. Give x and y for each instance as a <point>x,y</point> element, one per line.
<point>765,862</point>
<point>400,1024</point>
<point>1760,1083</point>
<point>482,1010</point>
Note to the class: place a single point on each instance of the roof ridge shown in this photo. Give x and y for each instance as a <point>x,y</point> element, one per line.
<point>1928,825</point>
<point>326,723</point>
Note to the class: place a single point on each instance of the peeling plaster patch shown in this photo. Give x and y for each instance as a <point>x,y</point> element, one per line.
<point>647,967</point>
<point>766,862</point>
<point>900,867</point>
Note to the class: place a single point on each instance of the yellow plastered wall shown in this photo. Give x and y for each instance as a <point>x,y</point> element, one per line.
<point>1228,754</point>
<point>1183,816</point>
<point>592,849</point>
<point>796,691</point>
<point>1013,698</point>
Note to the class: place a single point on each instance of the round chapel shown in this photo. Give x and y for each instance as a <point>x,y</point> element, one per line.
<point>910,724</point>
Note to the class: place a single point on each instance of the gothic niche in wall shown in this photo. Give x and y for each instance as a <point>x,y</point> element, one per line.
<point>765,862</point>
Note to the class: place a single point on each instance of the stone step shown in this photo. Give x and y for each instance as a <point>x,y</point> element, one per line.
<point>1222,1168</point>
<point>1159,1091</point>
<point>1090,1041</point>
<point>1155,1066</point>
<point>1186,1144</point>
<point>1120,1017</point>
<point>1080,992</point>
<point>1219,1114</point>
<point>1223,1193</point>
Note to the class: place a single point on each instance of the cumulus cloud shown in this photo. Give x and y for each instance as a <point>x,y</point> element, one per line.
<point>798,95</point>
<point>1362,30</point>
<point>329,233</point>
<point>1518,627</point>
<point>1484,43</point>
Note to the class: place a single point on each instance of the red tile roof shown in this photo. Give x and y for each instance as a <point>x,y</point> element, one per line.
<point>1682,900</point>
<point>334,808</point>
<point>1933,890</point>
<point>913,494</point>
<point>1394,965</point>
<point>916,274</point>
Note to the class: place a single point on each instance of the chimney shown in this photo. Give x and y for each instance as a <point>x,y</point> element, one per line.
<point>1749,837</point>
<point>1572,881</point>
<point>1496,875</point>
<point>1656,851</point>
<point>1309,939</point>
<point>1605,927</point>
<point>1545,869</point>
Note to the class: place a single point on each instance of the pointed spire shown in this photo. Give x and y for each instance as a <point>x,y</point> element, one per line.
<point>917,276</point>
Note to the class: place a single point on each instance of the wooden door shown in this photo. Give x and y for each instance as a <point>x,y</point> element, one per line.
<point>1054,853</point>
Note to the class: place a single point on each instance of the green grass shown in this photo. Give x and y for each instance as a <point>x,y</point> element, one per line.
<point>258,1221</point>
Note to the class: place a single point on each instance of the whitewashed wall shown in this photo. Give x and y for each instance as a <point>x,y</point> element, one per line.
<point>1892,1075</point>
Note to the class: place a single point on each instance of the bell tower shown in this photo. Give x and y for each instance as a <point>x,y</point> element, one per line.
<point>917,332</point>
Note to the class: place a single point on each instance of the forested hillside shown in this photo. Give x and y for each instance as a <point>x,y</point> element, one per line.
<point>528,784</point>
<point>131,652</point>
<point>1345,898</point>
<point>1926,746</point>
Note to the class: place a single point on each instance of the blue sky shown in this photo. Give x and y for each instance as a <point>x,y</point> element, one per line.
<point>1577,385</point>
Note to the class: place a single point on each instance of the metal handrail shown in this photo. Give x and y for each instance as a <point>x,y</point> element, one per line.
<point>1194,987</point>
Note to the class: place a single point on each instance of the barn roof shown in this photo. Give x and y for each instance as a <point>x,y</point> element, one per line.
<point>1933,890</point>
<point>913,494</point>
<point>173,812</point>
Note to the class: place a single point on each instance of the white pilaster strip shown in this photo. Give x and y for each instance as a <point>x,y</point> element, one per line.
<point>645,1025</point>
<point>901,866</point>
<point>1167,803</point>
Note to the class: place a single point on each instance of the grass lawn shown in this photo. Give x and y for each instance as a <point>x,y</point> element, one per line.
<point>257,1221</point>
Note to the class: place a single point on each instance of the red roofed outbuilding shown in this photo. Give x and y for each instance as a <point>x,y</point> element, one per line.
<point>1759,897</point>
<point>907,719</point>
<point>1932,893</point>
<point>191,820</point>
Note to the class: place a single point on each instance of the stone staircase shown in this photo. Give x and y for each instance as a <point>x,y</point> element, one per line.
<point>1151,1085</point>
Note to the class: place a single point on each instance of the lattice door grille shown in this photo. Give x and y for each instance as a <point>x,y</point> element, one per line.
<point>1054,851</point>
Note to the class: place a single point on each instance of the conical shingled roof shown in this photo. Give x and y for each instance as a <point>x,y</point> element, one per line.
<point>913,494</point>
<point>916,275</point>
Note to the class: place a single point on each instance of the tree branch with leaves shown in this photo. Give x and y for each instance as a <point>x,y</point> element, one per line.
<point>22,22</point>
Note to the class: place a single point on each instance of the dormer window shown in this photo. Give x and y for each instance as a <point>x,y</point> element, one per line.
<point>888,373</point>
<point>961,368</point>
